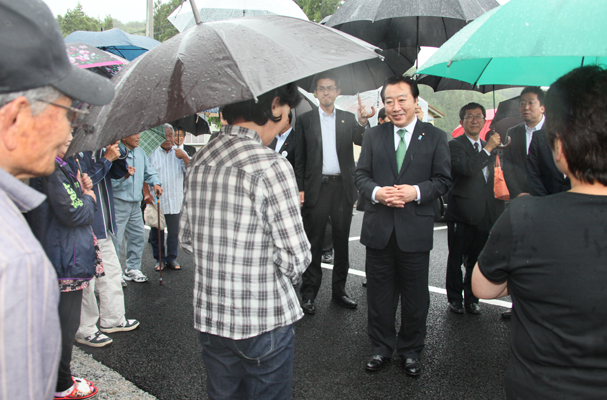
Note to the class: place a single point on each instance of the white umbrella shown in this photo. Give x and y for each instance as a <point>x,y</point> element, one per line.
<point>217,10</point>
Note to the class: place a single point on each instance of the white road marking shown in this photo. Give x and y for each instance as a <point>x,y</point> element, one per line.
<point>500,303</point>
<point>437,228</point>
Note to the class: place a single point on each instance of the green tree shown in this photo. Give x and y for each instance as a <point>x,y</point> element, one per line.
<point>77,20</point>
<point>316,10</point>
<point>163,29</point>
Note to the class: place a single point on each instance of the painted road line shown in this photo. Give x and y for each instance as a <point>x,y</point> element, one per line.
<point>500,303</point>
<point>438,228</point>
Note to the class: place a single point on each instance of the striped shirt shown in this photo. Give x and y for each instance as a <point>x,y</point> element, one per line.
<point>171,171</point>
<point>30,336</point>
<point>241,219</point>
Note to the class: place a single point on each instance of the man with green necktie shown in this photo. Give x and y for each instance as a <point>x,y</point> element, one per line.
<point>404,166</point>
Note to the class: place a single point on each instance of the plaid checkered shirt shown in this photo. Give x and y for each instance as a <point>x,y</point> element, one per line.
<point>241,220</point>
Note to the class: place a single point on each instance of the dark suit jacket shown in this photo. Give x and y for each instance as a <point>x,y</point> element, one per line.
<point>190,150</point>
<point>289,146</point>
<point>427,164</point>
<point>515,162</point>
<point>542,174</point>
<point>308,157</point>
<point>471,196</point>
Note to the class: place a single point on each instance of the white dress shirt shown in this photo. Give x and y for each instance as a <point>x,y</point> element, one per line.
<point>330,162</point>
<point>281,139</point>
<point>529,131</point>
<point>408,134</point>
<point>480,146</point>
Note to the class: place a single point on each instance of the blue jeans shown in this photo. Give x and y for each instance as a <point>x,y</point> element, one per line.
<point>260,367</point>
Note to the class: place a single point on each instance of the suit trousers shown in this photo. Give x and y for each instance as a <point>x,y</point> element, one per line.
<point>172,221</point>
<point>130,228</point>
<point>392,272</point>
<point>109,311</point>
<point>332,202</point>
<point>465,244</point>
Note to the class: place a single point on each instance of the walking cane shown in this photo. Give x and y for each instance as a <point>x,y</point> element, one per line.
<point>159,244</point>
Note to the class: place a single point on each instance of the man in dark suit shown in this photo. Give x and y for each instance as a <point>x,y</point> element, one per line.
<point>515,157</point>
<point>179,138</point>
<point>324,168</point>
<point>472,207</point>
<point>542,174</point>
<point>285,143</point>
<point>403,167</point>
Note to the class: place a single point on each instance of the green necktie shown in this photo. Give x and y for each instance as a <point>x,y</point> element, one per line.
<point>402,149</point>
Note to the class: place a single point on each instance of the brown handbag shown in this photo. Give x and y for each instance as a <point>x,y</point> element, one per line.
<point>499,183</point>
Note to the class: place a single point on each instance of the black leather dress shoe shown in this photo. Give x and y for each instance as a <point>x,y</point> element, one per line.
<point>412,366</point>
<point>345,301</point>
<point>507,314</point>
<point>376,362</point>
<point>456,307</point>
<point>473,308</point>
<point>308,307</point>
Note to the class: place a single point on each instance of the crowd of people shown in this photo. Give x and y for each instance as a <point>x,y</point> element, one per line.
<point>252,207</point>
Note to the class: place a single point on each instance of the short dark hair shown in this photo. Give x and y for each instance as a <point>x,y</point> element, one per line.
<point>471,106</point>
<point>290,116</point>
<point>382,113</point>
<point>260,111</point>
<point>325,75</point>
<point>400,79</point>
<point>575,114</point>
<point>537,90</point>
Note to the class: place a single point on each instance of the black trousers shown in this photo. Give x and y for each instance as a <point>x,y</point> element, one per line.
<point>331,202</point>
<point>172,221</point>
<point>391,273</point>
<point>69,318</point>
<point>465,244</point>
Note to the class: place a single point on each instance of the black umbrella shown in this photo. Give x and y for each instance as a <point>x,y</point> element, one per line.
<point>507,115</point>
<point>439,84</point>
<point>214,64</point>
<point>404,24</point>
<point>194,124</point>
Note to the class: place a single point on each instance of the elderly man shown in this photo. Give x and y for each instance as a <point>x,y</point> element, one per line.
<point>171,164</point>
<point>128,193</point>
<point>241,220</point>
<point>36,118</point>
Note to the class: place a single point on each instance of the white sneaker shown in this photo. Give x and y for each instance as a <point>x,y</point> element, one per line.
<point>134,275</point>
<point>129,325</point>
<point>97,339</point>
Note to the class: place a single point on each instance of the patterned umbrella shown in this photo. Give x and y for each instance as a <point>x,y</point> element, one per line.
<point>86,56</point>
<point>151,139</point>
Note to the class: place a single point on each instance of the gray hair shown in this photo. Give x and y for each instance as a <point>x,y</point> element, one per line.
<point>169,126</point>
<point>46,93</point>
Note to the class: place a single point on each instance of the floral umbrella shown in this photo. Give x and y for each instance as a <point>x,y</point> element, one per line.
<point>86,56</point>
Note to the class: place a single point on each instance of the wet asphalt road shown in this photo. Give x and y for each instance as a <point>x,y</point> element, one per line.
<point>465,355</point>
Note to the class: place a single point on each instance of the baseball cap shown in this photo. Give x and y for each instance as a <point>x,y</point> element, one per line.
<point>34,55</point>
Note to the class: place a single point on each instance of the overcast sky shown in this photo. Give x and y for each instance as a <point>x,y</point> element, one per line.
<point>123,10</point>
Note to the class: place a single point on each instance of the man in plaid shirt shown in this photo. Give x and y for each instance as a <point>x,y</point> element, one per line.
<point>241,220</point>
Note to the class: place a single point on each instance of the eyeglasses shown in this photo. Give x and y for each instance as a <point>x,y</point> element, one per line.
<point>74,115</point>
<point>478,118</point>
<point>322,89</point>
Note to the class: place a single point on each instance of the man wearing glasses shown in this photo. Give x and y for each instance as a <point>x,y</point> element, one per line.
<point>472,207</point>
<point>37,87</point>
<point>324,168</point>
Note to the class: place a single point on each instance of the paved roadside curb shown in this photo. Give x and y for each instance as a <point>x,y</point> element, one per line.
<point>111,384</point>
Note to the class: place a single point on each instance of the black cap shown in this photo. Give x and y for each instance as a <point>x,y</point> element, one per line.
<point>32,55</point>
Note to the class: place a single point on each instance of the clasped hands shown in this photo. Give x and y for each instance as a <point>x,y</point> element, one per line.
<point>396,196</point>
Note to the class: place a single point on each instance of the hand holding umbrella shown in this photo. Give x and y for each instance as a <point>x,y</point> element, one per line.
<point>112,152</point>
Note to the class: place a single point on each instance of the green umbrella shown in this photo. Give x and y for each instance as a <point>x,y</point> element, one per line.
<point>526,43</point>
<point>151,139</point>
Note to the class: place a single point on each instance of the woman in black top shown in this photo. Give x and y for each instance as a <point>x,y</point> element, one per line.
<point>550,254</point>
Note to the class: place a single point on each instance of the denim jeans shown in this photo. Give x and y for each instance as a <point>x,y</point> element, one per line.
<point>260,367</point>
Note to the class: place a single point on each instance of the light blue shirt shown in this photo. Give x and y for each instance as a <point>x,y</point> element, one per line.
<point>330,162</point>
<point>131,189</point>
<point>171,171</point>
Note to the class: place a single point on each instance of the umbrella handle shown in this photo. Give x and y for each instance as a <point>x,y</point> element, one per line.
<point>159,244</point>
<point>502,146</point>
